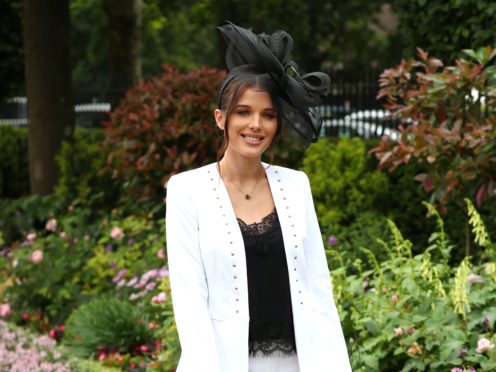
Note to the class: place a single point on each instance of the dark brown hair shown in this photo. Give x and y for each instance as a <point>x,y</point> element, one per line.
<point>236,83</point>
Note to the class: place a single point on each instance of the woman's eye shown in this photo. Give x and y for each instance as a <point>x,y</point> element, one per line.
<point>270,116</point>
<point>242,112</point>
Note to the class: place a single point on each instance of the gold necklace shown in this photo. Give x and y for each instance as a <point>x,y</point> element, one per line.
<point>247,195</point>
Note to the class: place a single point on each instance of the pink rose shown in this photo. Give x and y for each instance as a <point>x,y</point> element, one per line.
<point>161,297</point>
<point>51,225</point>
<point>484,345</point>
<point>160,254</point>
<point>398,332</point>
<point>394,298</point>
<point>63,235</point>
<point>37,256</point>
<point>31,237</point>
<point>473,278</point>
<point>116,233</point>
<point>5,310</point>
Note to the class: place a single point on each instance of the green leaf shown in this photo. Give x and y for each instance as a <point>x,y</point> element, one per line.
<point>409,284</point>
<point>371,326</point>
<point>471,53</point>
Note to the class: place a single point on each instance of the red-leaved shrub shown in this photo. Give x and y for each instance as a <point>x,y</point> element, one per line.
<point>162,127</point>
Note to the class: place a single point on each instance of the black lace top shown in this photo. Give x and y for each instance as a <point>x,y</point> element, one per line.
<point>271,317</point>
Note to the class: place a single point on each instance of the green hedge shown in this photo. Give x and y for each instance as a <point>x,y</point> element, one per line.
<point>14,169</point>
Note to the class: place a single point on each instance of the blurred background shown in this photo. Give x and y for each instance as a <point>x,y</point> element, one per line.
<point>114,44</point>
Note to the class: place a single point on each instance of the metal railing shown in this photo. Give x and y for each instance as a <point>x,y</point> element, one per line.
<point>350,109</point>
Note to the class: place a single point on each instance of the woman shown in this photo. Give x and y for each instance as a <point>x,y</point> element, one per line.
<point>250,285</point>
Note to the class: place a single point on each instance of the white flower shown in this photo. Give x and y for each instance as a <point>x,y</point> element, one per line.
<point>484,345</point>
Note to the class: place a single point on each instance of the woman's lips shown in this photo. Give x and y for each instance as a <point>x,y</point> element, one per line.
<point>253,140</point>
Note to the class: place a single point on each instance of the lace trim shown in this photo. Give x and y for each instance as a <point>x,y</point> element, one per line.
<point>271,339</point>
<point>259,228</point>
<point>281,347</point>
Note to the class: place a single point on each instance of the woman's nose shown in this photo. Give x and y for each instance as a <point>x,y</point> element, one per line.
<point>255,121</point>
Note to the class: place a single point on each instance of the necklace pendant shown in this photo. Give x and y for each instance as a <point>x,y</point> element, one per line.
<point>247,197</point>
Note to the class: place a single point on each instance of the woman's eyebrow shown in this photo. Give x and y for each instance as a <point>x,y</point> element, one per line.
<point>249,107</point>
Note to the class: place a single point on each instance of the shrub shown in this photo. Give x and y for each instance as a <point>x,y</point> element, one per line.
<point>353,240</point>
<point>82,257</point>
<point>61,247</point>
<point>418,312</point>
<point>448,115</point>
<point>79,164</point>
<point>162,127</point>
<point>132,245</point>
<point>108,325</point>
<point>342,184</point>
<point>14,168</point>
<point>19,216</point>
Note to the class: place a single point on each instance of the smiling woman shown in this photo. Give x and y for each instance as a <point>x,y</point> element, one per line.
<point>250,284</point>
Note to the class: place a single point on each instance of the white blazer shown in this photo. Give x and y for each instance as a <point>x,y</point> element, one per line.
<point>208,277</point>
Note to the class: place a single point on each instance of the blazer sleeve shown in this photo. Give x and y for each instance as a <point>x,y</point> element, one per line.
<point>321,279</point>
<point>188,282</point>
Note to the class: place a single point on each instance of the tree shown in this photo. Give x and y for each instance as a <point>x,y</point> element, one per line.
<point>89,50</point>
<point>326,33</point>
<point>445,27</point>
<point>11,57</point>
<point>124,23</point>
<point>48,86</point>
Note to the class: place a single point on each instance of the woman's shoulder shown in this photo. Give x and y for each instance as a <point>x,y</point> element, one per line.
<point>285,172</point>
<point>191,177</point>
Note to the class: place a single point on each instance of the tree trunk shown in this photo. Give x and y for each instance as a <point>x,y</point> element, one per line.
<point>48,86</point>
<point>124,21</point>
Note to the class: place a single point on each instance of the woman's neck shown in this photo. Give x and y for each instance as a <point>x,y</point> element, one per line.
<point>240,170</point>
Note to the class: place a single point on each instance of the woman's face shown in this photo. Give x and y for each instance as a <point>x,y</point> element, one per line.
<point>252,125</point>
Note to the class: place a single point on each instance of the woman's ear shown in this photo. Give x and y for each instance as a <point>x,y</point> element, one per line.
<point>219,119</point>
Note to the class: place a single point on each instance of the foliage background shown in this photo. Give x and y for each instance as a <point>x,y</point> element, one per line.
<point>443,27</point>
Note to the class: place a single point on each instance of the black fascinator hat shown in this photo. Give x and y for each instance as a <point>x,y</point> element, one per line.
<point>298,94</point>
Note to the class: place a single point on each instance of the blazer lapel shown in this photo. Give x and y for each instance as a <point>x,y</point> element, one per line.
<point>283,192</point>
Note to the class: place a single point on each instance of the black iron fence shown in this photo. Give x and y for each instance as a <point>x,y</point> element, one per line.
<point>350,109</point>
